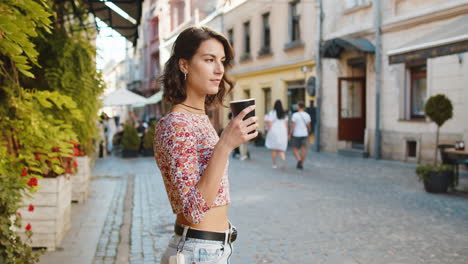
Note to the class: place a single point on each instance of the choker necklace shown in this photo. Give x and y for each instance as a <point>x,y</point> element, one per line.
<point>192,107</point>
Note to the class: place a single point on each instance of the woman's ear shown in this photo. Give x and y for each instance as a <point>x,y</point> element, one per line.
<point>183,65</point>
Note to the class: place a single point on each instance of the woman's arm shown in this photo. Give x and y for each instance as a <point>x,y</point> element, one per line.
<point>291,130</point>
<point>234,135</point>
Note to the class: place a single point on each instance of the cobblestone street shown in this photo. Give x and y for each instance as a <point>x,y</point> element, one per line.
<point>337,210</point>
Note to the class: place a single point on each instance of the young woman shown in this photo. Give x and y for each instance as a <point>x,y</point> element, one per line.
<point>192,159</point>
<point>277,137</point>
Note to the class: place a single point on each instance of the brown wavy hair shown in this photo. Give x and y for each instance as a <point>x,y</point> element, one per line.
<point>185,47</point>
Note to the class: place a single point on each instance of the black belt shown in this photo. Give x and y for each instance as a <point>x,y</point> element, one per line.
<point>206,235</point>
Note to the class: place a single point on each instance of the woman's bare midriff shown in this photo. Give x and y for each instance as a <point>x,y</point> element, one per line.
<point>215,220</point>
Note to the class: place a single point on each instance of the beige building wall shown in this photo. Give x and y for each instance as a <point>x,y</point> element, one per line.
<point>255,82</point>
<point>283,65</point>
<point>403,22</point>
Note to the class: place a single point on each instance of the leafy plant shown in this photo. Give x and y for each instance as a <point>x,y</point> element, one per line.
<point>148,139</point>
<point>68,66</point>
<point>12,189</point>
<point>423,171</point>
<point>19,22</point>
<point>439,109</point>
<point>130,138</point>
<point>42,118</point>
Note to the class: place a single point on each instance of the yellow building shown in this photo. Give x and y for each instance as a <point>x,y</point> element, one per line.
<point>274,46</point>
<point>286,83</point>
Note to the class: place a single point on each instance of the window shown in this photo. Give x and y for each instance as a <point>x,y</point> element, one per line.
<point>155,66</point>
<point>230,34</point>
<point>247,37</point>
<point>155,28</point>
<point>267,99</point>
<point>246,94</point>
<point>418,90</point>
<point>411,149</point>
<point>177,15</point>
<point>294,19</point>
<point>265,34</point>
<point>355,3</point>
<point>246,52</point>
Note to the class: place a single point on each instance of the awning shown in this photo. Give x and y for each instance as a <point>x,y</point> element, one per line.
<point>334,47</point>
<point>123,96</point>
<point>155,98</point>
<point>127,28</point>
<point>449,39</point>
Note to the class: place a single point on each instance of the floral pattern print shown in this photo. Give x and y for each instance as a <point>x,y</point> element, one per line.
<point>183,145</point>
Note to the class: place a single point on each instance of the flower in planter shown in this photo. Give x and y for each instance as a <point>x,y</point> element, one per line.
<point>32,182</point>
<point>76,152</point>
<point>28,227</point>
<point>24,172</point>
<point>19,214</point>
<point>31,208</point>
<point>75,164</point>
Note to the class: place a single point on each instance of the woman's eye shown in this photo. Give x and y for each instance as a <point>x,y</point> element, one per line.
<point>209,60</point>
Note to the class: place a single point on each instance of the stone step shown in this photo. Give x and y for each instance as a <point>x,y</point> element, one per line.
<point>355,145</point>
<point>352,152</point>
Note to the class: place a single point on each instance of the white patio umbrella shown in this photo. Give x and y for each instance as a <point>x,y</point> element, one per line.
<point>124,97</point>
<point>155,98</point>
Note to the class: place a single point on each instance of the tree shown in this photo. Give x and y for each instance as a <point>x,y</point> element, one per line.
<point>439,109</point>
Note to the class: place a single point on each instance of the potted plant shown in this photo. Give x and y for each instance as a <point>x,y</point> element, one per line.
<point>38,155</point>
<point>437,178</point>
<point>82,177</point>
<point>130,142</point>
<point>148,141</point>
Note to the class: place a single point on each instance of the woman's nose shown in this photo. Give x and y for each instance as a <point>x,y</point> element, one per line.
<point>219,69</point>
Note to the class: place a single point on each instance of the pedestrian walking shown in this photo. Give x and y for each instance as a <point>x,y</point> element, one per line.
<point>192,158</point>
<point>112,129</point>
<point>298,134</point>
<point>277,137</point>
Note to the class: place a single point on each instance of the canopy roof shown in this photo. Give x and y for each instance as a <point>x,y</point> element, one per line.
<point>449,39</point>
<point>127,28</point>
<point>334,47</point>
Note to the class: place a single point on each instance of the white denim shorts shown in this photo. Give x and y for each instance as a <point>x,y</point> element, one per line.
<point>199,250</point>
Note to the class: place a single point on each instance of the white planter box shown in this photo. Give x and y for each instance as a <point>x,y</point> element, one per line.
<point>51,217</point>
<point>80,180</point>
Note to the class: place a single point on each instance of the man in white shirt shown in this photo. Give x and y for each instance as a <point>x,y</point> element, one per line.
<point>298,134</point>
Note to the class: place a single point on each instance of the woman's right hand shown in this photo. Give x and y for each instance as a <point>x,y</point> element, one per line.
<point>237,131</point>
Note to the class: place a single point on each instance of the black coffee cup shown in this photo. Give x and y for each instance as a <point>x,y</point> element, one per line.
<point>239,105</point>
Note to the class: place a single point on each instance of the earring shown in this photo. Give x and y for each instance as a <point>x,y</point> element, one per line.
<point>185,76</point>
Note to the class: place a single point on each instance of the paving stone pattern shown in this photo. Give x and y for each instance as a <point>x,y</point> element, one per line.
<point>106,251</point>
<point>338,210</point>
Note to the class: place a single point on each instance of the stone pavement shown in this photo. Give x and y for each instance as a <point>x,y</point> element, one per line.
<point>337,210</point>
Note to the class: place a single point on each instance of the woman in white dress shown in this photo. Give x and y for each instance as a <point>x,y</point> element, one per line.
<point>277,137</point>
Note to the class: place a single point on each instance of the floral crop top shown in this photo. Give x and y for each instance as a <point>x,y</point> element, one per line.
<point>183,145</point>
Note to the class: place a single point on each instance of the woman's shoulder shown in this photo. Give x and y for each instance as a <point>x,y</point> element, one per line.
<point>174,121</point>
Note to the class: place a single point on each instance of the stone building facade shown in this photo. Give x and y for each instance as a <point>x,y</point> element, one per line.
<point>424,50</point>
